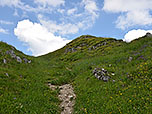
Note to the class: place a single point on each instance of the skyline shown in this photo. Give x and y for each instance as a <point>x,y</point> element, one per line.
<point>37,27</point>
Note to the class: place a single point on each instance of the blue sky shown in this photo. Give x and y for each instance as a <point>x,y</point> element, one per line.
<point>37,27</point>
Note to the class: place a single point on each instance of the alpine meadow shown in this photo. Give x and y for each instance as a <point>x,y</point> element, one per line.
<point>107,76</point>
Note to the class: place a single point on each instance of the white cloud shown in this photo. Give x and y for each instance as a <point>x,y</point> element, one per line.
<point>53,3</point>
<point>133,12</point>
<point>62,29</point>
<point>24,7</point>
<point>135,34</point>
<point>4,31</point>
<point>80,17</point>
<point>6,22</point>
<point>9,2</point>
<point>38,38</point>
<point>71,11</point>
<point>91,7</point>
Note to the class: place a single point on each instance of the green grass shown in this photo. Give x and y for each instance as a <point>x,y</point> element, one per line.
<point>129,94</point>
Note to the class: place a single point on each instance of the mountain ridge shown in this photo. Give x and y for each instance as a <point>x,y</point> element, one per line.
<point>24,86</point>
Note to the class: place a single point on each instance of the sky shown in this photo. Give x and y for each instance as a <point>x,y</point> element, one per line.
<point>37,27</point>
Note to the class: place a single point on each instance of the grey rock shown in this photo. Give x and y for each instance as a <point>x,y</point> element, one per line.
<point>73,50</point>
<point>148,34</point>
<point>29,61</point>
<point>13,56</point>
<point>10,52</point>
<point>70,50</point>
<point>105,78</point>
<point>4,61</point>
<point>130,59</point>
<point>114,80</point>
<point>7,74</point>
<point>101,74</point>
<point>97,45</point>
<point>18,59</point>
<point>25,60</point>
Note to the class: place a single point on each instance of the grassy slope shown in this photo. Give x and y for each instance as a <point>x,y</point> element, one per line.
<point>130,93</point>
<point>24,90</point>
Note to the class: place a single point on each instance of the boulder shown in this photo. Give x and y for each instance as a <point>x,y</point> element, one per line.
<point>11,53</point>
<point>29,61</point>
<point>25,60</point>
<point>101,74</point>
<point>148,34</point>
<point>4,61</point>
<point>130,59</point>
<point>18,59</point>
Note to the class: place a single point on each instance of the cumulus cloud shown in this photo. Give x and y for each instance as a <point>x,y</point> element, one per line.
<point>38,38</point>
<point>4,31</point>
<point>133,12</point>
<point>135,34</point>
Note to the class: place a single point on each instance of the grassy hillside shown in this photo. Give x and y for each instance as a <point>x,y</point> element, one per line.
<point>129,89</point>
<point>23,86</point>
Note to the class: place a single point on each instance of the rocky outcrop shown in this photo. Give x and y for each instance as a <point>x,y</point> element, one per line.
<point>18,58</point>
<point>148,34</point>
<point>75,48</point>
<point>97,45</point>
<point>102,74</point>
<point>71,50</point>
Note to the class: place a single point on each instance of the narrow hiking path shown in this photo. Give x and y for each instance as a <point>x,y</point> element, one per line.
<point>67,97</point>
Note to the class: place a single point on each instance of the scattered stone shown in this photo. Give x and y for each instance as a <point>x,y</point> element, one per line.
<point>97,45</point>
<point>114,80</point>
<point>101,74</point>
<point>67,96</point>
<point>7,74</point>
<point>25,60</point>
<point>4,61</point>
<point>10,52</point>
<point>70,50</point>
<point>130,59</point>
<point>112,74</point>
<point>18,59</point>
<point>29,61</point>
<point>110,65</point>
<point>53,87</point>
<point>12,48</point>
<point>148,34</point>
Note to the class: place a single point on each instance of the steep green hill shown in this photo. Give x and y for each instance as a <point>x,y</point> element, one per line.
<point>23,84</point>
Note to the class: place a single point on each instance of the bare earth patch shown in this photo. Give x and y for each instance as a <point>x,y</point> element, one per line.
<point>67,96</point>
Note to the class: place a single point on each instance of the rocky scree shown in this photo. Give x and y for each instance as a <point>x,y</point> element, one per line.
<point>102,74</point>
<point>18,58</point>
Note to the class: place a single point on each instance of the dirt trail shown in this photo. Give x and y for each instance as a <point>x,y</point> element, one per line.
<point>67,96</point>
